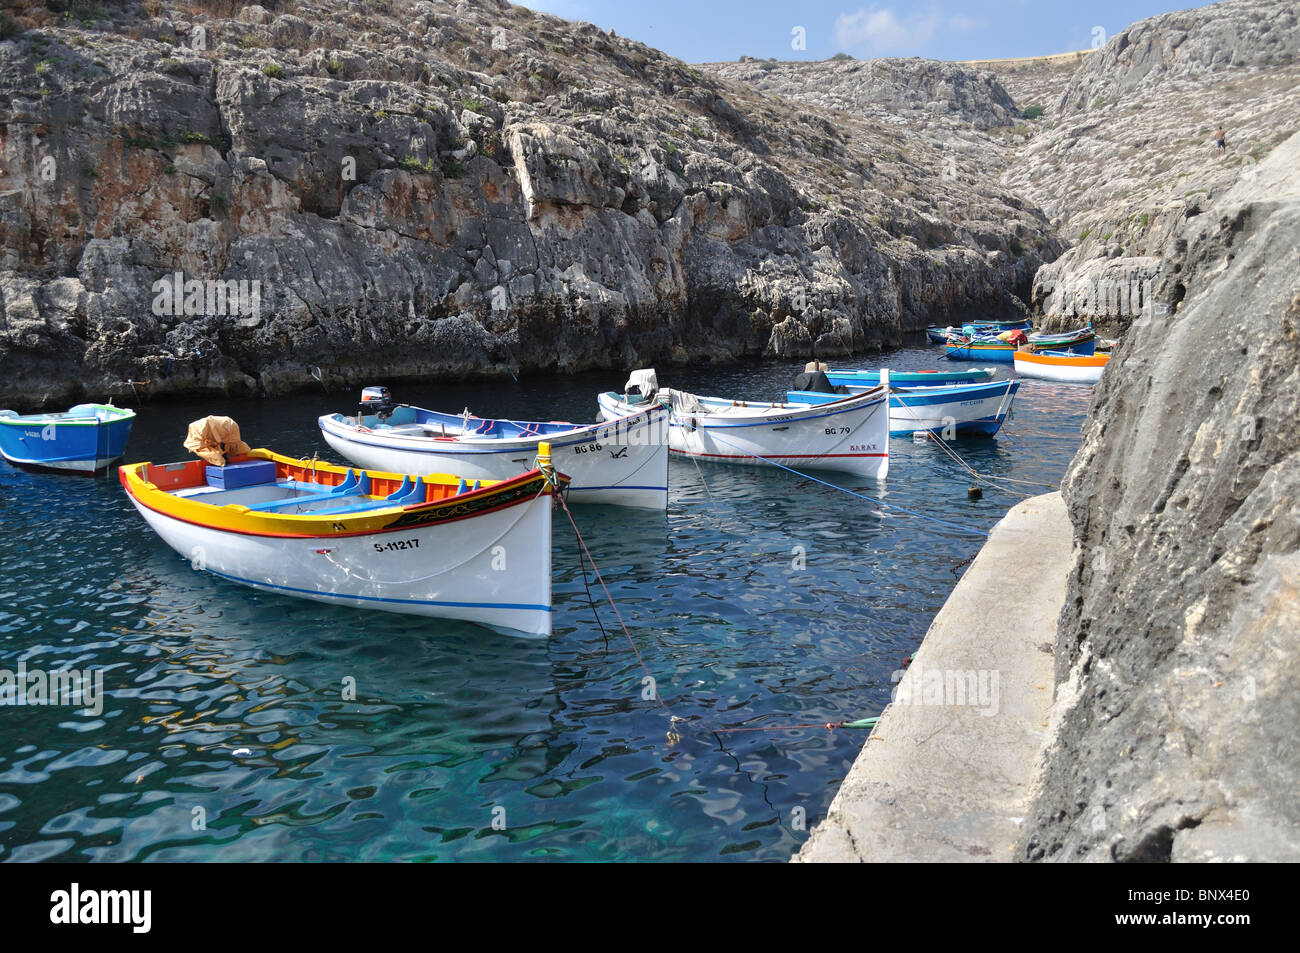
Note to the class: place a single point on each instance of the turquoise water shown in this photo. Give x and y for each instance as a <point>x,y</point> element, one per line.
<point>225,736</point>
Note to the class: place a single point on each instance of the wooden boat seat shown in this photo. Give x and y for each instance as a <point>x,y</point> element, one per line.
<point>354,484</point>
<point>370,504</point>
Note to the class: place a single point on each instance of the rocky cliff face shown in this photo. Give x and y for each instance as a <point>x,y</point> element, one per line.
<point>1126,155</point>
<point>1173,735</point>
<point>418,188</point>
<point>1123,153</point>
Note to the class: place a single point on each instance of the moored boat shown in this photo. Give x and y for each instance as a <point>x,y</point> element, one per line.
<point>1061,366</point>
<point>424,545</point>
<point>865,379</point>
<point>850,434</point>
<point>940,335</point>
<point>84,439</point>
<point>952,410</point>
<point>619,462</point>
<point>1055,339</point>
<point>991,349</point>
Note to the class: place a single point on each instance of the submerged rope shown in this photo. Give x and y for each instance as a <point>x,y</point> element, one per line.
<point>862,496</point>
<point>674,719</point>
<point>673,736</point>
<point>862,723</point>
<point>943,445</point>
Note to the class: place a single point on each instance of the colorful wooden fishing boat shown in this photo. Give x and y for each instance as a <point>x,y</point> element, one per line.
<point>424,545</point>
<point>950,411</point>
<point>622,462</point>
<point>1061,366</point>
<point>1054,339</point>
<point>938,335</point>
<point>966,349</point>
<point>85,439</point>
<point>865,379</point>
<point>850,434</point>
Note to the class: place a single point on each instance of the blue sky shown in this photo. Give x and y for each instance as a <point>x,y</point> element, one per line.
<point>711,30</point>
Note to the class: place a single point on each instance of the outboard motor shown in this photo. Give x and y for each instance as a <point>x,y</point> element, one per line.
<point>377,401</point>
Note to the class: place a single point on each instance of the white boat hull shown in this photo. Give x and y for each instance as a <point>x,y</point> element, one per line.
<point>493,568</point>
<point>623,464</point>
<point>1062,373</point>
<point>963,414</point>
<point>850,436</point>
<point>73,466</point>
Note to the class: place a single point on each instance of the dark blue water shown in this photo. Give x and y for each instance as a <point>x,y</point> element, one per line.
<point>225,734</point>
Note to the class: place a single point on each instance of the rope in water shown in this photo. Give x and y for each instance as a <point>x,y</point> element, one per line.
<point>863,723</point>
<point>674,719</point>
<point>862,496</point>
<point>673,736</point>
<point>943,445</point>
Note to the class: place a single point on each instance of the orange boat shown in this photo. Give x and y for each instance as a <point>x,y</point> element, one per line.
<point>1060,366</point>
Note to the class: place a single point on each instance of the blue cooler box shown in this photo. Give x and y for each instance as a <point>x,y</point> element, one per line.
<point>234,475</point>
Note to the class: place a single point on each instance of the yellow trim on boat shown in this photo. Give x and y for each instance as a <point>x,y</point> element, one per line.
<point>440,501</point>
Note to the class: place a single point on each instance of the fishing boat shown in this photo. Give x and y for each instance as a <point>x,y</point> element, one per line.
<point>992,349</point>
<point>850,434</point>
<point>867,379</point>
<point>1054,339</point>
<point>956,410</point>
<point>85,439</point>
<point>433,545</point>
<point>938,335</point>
<point>621,462</point>
<point>1061,366</point>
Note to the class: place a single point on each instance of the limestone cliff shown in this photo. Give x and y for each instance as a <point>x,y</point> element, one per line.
<point>1174,732</point>
<point>1126,155</point>
<point>430,188</point>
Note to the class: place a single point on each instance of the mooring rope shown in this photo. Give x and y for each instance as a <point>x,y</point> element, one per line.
<point>943,445</point>
<point>862,723</point>
<point>861,496</point>
<point>673,735</point>
<point>673,719</point>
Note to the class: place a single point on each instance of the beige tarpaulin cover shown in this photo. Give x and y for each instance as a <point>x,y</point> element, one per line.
<point>213,437</point>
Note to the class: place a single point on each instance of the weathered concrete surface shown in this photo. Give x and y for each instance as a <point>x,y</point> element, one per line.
<point>951,782</point>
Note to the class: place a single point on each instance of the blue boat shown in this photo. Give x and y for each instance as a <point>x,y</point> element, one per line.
<point>948,411</point>
<point>938,335</point>
<point>87,438</point>
<point>991,349</point>
<point>867,379</point>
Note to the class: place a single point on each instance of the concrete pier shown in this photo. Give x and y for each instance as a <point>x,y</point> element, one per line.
<point>947,773</point>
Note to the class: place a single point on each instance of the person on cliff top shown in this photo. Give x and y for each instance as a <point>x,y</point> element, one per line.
<point>1220,140</point>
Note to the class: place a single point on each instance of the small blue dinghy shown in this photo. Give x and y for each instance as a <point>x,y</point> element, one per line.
<point>85,439</point>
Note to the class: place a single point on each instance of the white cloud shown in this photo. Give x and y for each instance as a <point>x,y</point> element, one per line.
<point>877,30</point>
